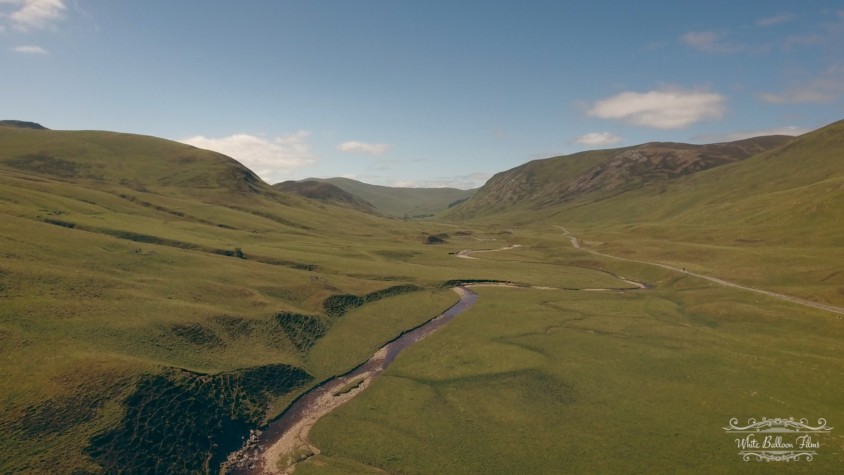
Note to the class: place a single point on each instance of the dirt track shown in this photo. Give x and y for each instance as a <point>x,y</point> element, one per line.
<point>286,442</point>
<point>789,298</point>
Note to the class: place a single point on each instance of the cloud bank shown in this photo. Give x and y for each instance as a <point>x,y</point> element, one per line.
<point>597,139</point>
<point>775,20</point>
<point>712,42</point>
<point>30,49</point>
<point>667,108</point>
<point>826,87</point>
<point>463,182</point>
<point>363,148</point>
<point>746,134</point>
<point>272,159</point>
<point>30,14</point>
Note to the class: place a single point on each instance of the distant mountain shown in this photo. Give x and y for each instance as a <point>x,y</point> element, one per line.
<point>599,174</point>
<point>326,193</point>
<point>402,202</point>
<point>767,189</point>
<point>21,124</point>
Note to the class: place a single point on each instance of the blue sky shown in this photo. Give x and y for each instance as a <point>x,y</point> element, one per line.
<point>421,93</point>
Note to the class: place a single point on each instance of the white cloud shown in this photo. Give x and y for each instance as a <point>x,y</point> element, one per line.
<point>30,49</point>
<point>28,14</point>
<point>710,42</point>
<point>702,40</point>
<point>598,139</point>
<point>825,88</point>
<point>746,134</point>
<point>364,148</point>
<point>463,182</point>
<point>273,160</point>
<point>802,40</point>
<point>775,20</point>
<point>668,108</point>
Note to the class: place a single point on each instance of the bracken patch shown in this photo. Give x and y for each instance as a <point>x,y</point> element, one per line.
<point>186,422</point>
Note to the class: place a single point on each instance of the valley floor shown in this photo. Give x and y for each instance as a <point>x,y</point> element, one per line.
<point>553,380</point>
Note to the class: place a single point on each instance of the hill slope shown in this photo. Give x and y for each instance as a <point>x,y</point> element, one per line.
<point>158,300</point>
<point>148,322</point>
<point>596,175</point>
<point>402,202</point>
<point>326,193</point>
<point>794,186</point>
<point>772,220</point>
<point>22,124</point>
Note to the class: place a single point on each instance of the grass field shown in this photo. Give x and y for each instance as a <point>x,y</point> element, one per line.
<point>551,381</point>
<point>139,276</point>
<point>158,301</point>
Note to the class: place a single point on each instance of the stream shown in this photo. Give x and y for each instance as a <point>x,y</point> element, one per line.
<point>286,438</point>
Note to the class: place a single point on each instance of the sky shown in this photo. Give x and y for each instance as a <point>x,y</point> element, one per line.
<point>424,93</point>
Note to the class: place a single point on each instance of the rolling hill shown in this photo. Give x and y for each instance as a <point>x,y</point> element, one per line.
<point>326,193</point>
<point>597,175</point>
<point>402,202</point>
<point>768,215</point>
<point>158,300</point>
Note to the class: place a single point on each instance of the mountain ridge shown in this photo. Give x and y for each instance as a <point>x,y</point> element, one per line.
<point>601,173</point>
<point>22,124</point>
<point>327,193</point>
<point>401,202</point>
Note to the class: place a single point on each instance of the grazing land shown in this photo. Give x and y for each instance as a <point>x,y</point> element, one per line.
<point>160,301</point>
<point>550,381</point>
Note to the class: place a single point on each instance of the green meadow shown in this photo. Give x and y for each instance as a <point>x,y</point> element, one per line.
<point>140,278</point>
<point>630,381</point>
<point>157,301</point>
<point>567,381</point>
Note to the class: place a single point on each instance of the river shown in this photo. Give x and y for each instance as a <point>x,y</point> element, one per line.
<point>286,438</point>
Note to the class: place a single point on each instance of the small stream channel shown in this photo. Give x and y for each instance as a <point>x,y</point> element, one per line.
<point>326,396</point>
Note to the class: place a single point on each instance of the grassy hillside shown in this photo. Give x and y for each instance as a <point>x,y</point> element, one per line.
<point>158,299</point>
<point>327,193</point>
<point>770,220</point>
<point>596,175</point>
<point>402,202</point>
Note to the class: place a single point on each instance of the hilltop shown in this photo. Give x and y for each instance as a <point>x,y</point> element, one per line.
<point>22,124</point>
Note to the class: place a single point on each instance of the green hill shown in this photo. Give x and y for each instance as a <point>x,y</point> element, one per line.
<point>158,300</point>
<point>402,202</point>
<point>597,175</point>
<point>767,217</point>
<point>327,193</point>
<point>22,124</point>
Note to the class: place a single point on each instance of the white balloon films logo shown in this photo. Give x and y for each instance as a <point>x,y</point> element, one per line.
<point>778,440</point>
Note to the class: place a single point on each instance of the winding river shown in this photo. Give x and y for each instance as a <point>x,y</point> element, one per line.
<point>285,442</point>
<point>286,438</point>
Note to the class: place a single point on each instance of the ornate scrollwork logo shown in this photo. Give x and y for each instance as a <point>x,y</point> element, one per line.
<point>778,439</point>
<point>778,425</point>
